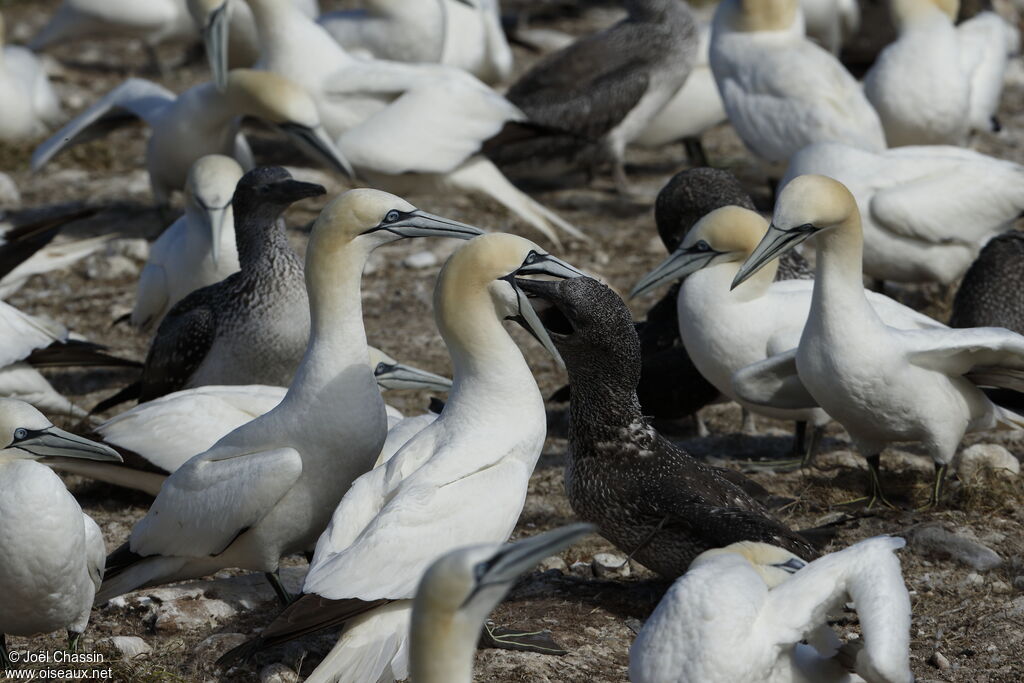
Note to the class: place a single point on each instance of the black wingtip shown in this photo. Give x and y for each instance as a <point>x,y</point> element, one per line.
<point>132,391</point>
<point>241,653</point>
<point>120,560</point>
<point>75,353</point>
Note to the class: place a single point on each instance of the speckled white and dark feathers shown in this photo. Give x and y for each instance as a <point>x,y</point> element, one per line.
<point>992,291</point>
<point>623,475</point>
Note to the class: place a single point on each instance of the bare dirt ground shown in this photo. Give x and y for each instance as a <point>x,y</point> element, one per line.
<point>973,619</point>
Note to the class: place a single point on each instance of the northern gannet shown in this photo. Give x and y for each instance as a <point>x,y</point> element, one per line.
<point>465,34</point>
<point>937,82</point>
<point>459,590</point>
<point>52,562</point>
<point>463,479</point>
<point>883,384</point>
<point>405,127</point>
<point>166,432</point>
<point>200,121</point>
<point>253,326</point>
<point>725,330</point>
<point>594,97</point>
<point>646,495</point>
<point>268,488</point>
<point>740,614</point>
<point>830,23</point>
<point>925,211</point>
<point>28,105</point>
<point>781,91</point>
<point>988,295</point>
<point>196,250</point>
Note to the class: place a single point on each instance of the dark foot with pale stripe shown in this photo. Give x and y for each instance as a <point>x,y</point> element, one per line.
<point>5,659</point>
<point>283,596</point>
<point>523,640</point>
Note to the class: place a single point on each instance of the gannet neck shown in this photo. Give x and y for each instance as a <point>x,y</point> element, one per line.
<point>204,107</point>
<point>909,13</point>
<point>449,639</point>
<point>839,282</point>
<point>282,28</point>
<point>749,16</point>
<point>259,234</point>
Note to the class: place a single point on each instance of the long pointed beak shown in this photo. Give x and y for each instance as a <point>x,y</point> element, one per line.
<point>399,376</point>
<point>54,442</point>
<point>316,142</point>
<point>527,317</point>
<point>214,219</point>
<point>774,242</point>
<point>546,264</point>
<point>215,38</point>
<point>681,263</point>
<point>512,560</point>
<point>422,224</point>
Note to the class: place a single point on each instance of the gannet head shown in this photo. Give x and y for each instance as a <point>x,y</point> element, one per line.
<point>462,587</point>
<point>590,325</point>
<point>729,233</point>
<point>807,205</point>
<point>758,15</point>
<point>904,11</point>
<point>208,190</point>
<point>390,374</point>
<point>289,108</point>
<point>271,189</point>
<point>26,433</point>
<point>212,18</point>
<point>491,263</point>
<point>774,564</point>
<point>689,196</point>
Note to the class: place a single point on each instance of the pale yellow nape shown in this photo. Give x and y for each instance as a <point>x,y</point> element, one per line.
<point>730,229</point>
<point>762,557</point>
<point>271,97</point>
<point>903,10</point>
<point>764,15</point>
<point>349,215</point>
<point>815,199</point>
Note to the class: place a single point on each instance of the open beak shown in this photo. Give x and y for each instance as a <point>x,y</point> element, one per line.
<point>214,218</point>
<point>513,560</point>
<point>681,263</point>
<point>215,38</point>
<point>422,224</point>
<point>774,242</point>
<point>316,142</point>
<point>54,442</point>
<point>399,376</point>
<point>537,263</point>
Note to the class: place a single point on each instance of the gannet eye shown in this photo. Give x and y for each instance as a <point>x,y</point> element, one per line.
<point>702,246</point>
<point>531,258</point>
<point>20,433</point>
<point>381,368</point>
<point>392,216</point>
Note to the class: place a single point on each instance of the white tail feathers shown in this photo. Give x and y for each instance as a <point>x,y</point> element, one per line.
<point>373,647</point>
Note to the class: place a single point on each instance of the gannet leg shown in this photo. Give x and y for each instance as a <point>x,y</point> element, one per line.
<point>621,182</point>
<point>875,493</point>
<point>517,639</point>
<point>5,659</point>
<point>283,596</point>
<point>73,640</point>
<point>702,426</point>
<point>695,151</point>
<point>749,425</point>
<point>811,448</point>
<point>940,476</point>
<point>799,437</point>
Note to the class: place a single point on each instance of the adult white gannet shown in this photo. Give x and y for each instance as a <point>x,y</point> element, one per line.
<point>830,23</point>
<point>202,120</point>
<point>405,127</point>
<point>166,432</point>
<point>28,104</point>
<point>52,562</point>
<point>740,613</point>
<point>268,488</point>
<point>196,250</point>
<point>936,82</point>
<point>781,91</point>
<point>883,384</point>
<point>465,34</point>
<point>461,480</point>
<point>725,330</point>
<point>925,211</point>
<point>459,590</point>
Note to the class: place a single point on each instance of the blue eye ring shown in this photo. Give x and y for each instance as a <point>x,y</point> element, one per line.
<point>392,216</point>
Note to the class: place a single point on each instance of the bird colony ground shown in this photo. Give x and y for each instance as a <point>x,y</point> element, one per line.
<point>968,622</point>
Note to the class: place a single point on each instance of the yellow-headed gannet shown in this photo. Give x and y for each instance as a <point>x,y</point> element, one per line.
<point>781,91</point>
<point>52,560</point>
<point>831,23</point>
<point>740,614</point>
<point>268,488</point>
<point>883,384</point>
<point>463,479</point>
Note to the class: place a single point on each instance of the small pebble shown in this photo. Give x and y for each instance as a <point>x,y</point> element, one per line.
<point>130,646</point>
<point>1018,582</point>
<point>278,673</point>
<point>1001,587</point>
<point>974,580</point>
<point>939,661</point>
<point>421,259</point>
<point>610,566</point>
<point>553,562</point>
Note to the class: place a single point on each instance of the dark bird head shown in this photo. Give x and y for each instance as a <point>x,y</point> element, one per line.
<point>272,186</point>
<point>591,328</point>
<point>689,196</point>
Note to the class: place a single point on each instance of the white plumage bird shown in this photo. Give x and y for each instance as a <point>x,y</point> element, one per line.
<point>781,91</point>
<point>28,105</point>
<point>740,613</point>
<point>884,385</point>
<point>52,560</point>
<point>830,23</point>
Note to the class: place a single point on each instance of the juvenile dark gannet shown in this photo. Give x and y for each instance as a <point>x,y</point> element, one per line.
<point>28,105</point>
<point>52,560</point>
<point>466,34</point>
<point>463,479</point>
<point>883,384</point>
<point>925,210</point>
<point>268,488</point>
<point>202,120</point>
<point>459,590</point>
<point>989,294</point>
<point>937,82</point>
<point>594,97</point>
<point>741,614</point>
<point>646,495</point>
<point>725,330</point>
<point>781,91</point>
<point>159,436</point>
<point>196,250</point>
